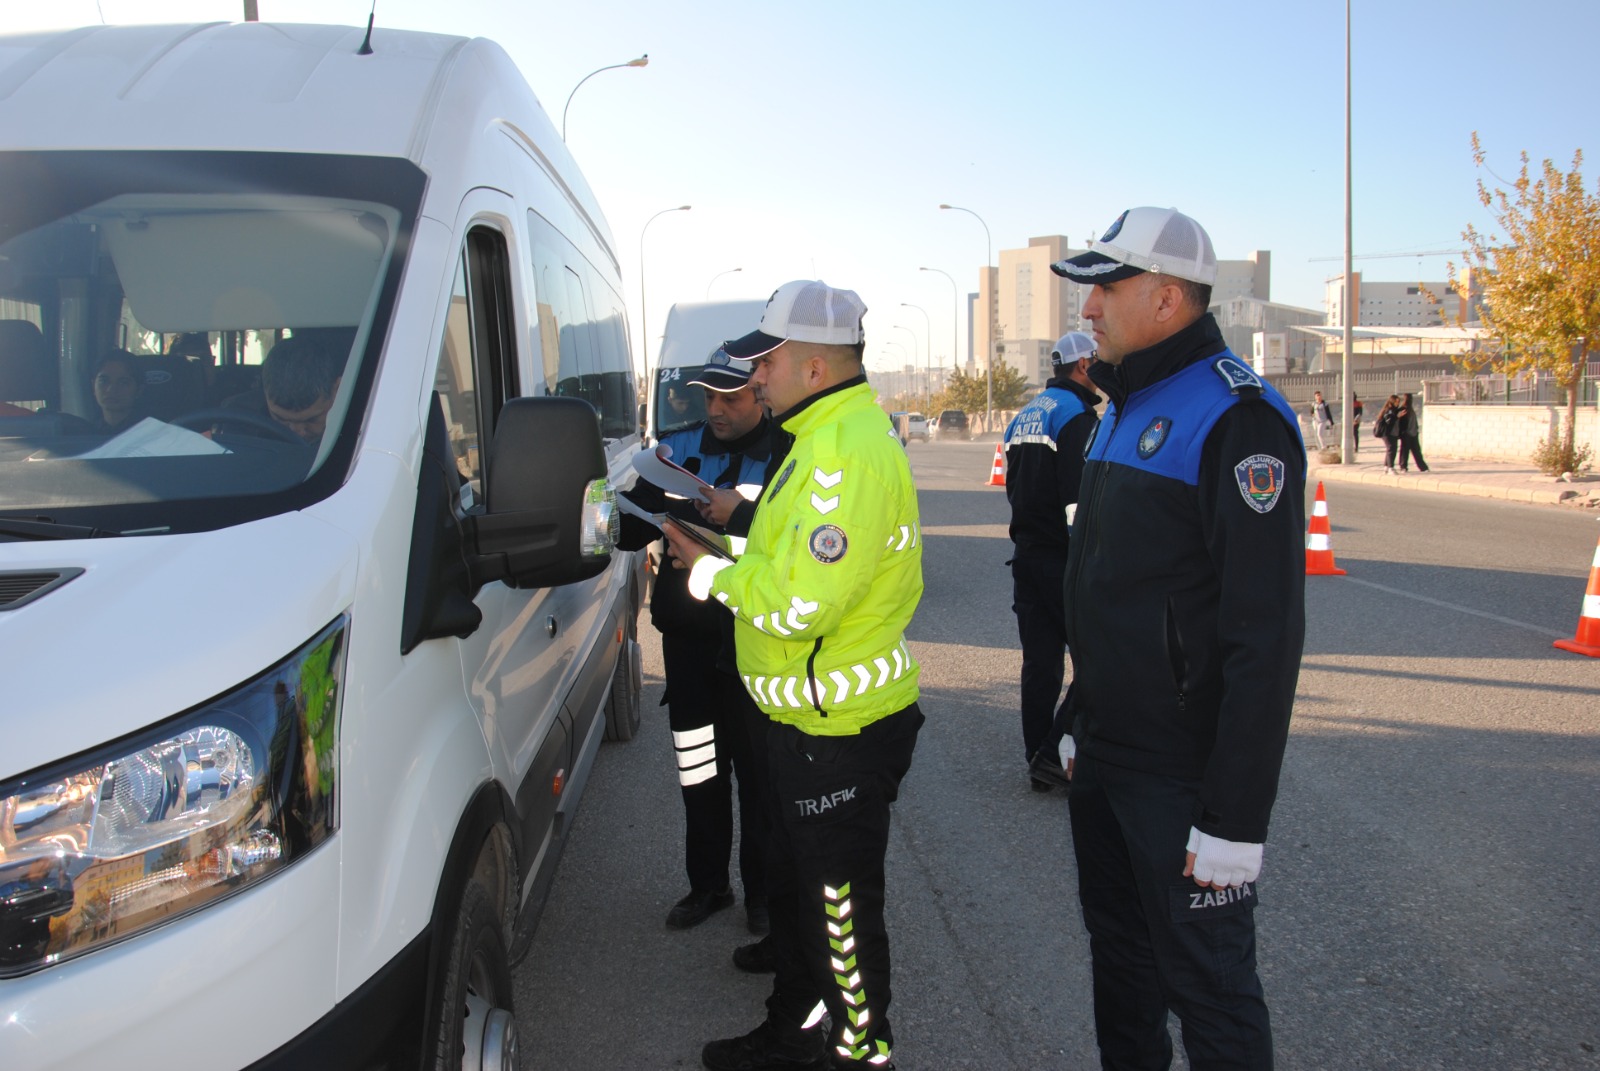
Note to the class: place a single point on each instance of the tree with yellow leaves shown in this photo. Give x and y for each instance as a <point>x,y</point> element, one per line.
<point>1538,284</point>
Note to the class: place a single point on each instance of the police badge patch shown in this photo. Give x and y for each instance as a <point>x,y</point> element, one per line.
<point>1152,437</point>
<point>783,478</point>
<point>1260,481</point>
<point>1236,375</point>
<point>828,543</point>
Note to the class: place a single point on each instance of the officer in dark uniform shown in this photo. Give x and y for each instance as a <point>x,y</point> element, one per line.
<point>709,720</point>
<point>1044,462</point>
<point>1185,596</point>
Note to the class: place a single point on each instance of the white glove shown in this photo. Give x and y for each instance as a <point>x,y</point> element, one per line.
<point>1223,863</point>
<point>1069,751</point>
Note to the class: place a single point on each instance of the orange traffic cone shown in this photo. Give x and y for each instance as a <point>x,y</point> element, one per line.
<point>1587,640</point>
<point>997,474</point>
<point>1319,551</point>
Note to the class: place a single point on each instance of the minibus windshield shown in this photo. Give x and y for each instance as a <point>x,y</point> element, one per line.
<point>183,336</point>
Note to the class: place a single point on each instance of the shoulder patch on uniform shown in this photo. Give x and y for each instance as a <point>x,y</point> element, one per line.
<point>1260,479</point>
<point>783,478</point>
<point>828,543</point>
<point>1236,375</point>
<point>1154,434</point>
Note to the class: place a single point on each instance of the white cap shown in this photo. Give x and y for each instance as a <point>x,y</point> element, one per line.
<point>1071,348</point>
<point>806,310</point>
<point>1162,241</point>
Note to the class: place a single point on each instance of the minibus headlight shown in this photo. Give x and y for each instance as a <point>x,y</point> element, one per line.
<point>99,848</point>
<point>602,524</point>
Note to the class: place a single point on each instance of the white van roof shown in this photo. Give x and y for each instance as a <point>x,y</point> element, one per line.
<point>275,87</point>
<point>696,328</point>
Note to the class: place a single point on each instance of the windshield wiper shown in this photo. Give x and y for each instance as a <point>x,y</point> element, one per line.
<point>45,528</point>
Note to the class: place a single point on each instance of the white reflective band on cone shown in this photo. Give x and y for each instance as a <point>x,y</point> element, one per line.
<point>1317,541</point>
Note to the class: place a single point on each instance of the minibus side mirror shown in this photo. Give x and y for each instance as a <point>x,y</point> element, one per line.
<point>548,516</point>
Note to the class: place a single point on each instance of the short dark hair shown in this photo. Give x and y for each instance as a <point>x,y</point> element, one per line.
<point>125,359</point>
<point>299,372</point>
<point>1197,294</point>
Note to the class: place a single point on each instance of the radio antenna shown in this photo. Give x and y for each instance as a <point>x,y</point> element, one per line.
<point>366,42</point>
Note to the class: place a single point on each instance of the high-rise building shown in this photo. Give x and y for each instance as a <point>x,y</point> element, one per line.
<point>1395,304</point>
<point>1033,306</point>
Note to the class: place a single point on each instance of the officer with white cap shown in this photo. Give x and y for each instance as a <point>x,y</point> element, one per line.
<point>1185,594</point>
<point>1044,462</point>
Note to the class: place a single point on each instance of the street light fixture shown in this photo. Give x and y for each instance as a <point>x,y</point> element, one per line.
<point>644,310</point>
<point>642,61</point>
<point>717,276</point>
<point>927,321</point>
<point>988,364</point>
<point>955,304</point>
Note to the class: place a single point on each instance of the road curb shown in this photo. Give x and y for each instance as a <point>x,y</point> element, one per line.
<point>1424,482</point>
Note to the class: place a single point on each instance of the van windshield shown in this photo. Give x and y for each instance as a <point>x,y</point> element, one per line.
<point>183,336</point>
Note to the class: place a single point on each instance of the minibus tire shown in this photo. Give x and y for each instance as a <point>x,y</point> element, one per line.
<point>477,965</point>
<point>622,705</point>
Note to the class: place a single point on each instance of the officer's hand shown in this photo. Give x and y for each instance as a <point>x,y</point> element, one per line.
<point>1221,864</point>
<point>683,550</point>
<point>1069,753</point>
<point>720,504</point>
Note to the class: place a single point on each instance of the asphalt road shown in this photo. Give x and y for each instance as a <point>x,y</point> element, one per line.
<point>1430,886</point>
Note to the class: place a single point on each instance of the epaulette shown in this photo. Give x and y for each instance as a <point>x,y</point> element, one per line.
<point>1238,377</point>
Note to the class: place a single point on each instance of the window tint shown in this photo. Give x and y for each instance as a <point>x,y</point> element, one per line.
<point>581,330</point>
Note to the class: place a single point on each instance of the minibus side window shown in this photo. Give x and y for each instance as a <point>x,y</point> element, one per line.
<point>477,361</point>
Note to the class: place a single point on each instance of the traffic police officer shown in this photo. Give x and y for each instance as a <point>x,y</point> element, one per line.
<point>1044,462</point>
<point>822,595</point>
<point>1186,616</point>
<point>710,737</point>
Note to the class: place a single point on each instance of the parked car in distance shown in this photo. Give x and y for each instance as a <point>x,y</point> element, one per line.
<point>952,424</point>
<point>916,427</point>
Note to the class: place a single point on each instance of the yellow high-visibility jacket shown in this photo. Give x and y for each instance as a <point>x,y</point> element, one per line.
<point>830,574</point>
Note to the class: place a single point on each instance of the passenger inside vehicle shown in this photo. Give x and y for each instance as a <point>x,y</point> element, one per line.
<point>299,378</point>
<point>118,392</point>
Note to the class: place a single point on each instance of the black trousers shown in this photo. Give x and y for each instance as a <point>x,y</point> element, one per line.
<point>709,714</point>
<point>1038,599</point>
<point>1158,941</point>
<point>1411,447</point>
<point>825,863</point>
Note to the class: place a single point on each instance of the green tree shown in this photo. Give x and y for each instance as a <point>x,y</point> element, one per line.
<point>970,393</point>
<point>1540,284</point>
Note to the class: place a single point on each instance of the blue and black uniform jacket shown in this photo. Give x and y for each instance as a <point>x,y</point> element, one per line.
<point>1045,443</point>
<point>1185,581</point>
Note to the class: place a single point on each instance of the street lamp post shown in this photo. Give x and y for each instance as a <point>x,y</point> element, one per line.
<point>644,310</point>
<point>927,321</point>
<point>642,61</point>
<point>955,305</point>
<point>1347,430</point>
<point>717,276</point>
<point>988,364</point>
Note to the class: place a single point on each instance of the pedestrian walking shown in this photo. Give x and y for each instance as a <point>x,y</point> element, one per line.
<point>1408,426</point>
<point>1386,427</point>
<point>822,594</point>
<point>1321,419</point>
<point>711,737</point>
<point>1185,619</point>
<point>1044,462</point>
<point>1356,411</point>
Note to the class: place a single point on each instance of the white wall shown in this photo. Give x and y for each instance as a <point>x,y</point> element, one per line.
<point>1497,432</point>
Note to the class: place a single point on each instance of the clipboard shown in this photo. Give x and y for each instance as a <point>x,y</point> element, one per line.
<point>700,536</point>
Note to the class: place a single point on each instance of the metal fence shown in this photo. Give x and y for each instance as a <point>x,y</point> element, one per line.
<point>1533,388</point>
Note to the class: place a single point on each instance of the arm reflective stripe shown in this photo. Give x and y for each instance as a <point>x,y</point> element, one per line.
<point>686,778</point>
<point>779,629</point>
<point>841,686</point>
<point>827,479</point>
<point>798,607</point>
<point>883,670</point>
<point>905,536</point>
<point>805,690</point>
<point>757,690</point>
<point>760,622</point>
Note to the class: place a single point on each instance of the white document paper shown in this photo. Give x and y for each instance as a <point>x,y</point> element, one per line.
<point>675,480</point>
<point>152,438</point>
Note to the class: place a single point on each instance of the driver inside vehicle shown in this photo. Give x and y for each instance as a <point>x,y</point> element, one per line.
<point>300,377</point>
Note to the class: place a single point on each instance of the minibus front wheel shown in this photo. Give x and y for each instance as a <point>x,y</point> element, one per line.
<point>478,1028</point>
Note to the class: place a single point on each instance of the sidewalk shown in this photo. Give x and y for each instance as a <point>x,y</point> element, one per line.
<point>1515,482</point>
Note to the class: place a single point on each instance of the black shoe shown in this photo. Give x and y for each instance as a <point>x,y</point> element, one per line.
<point>756,917</point>
<point>769,1048</point>
<point>754,958</point>
<point>1047,773</point>
<point>695,908</point>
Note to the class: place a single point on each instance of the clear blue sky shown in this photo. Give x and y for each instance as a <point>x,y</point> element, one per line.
<point>819,139</point>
